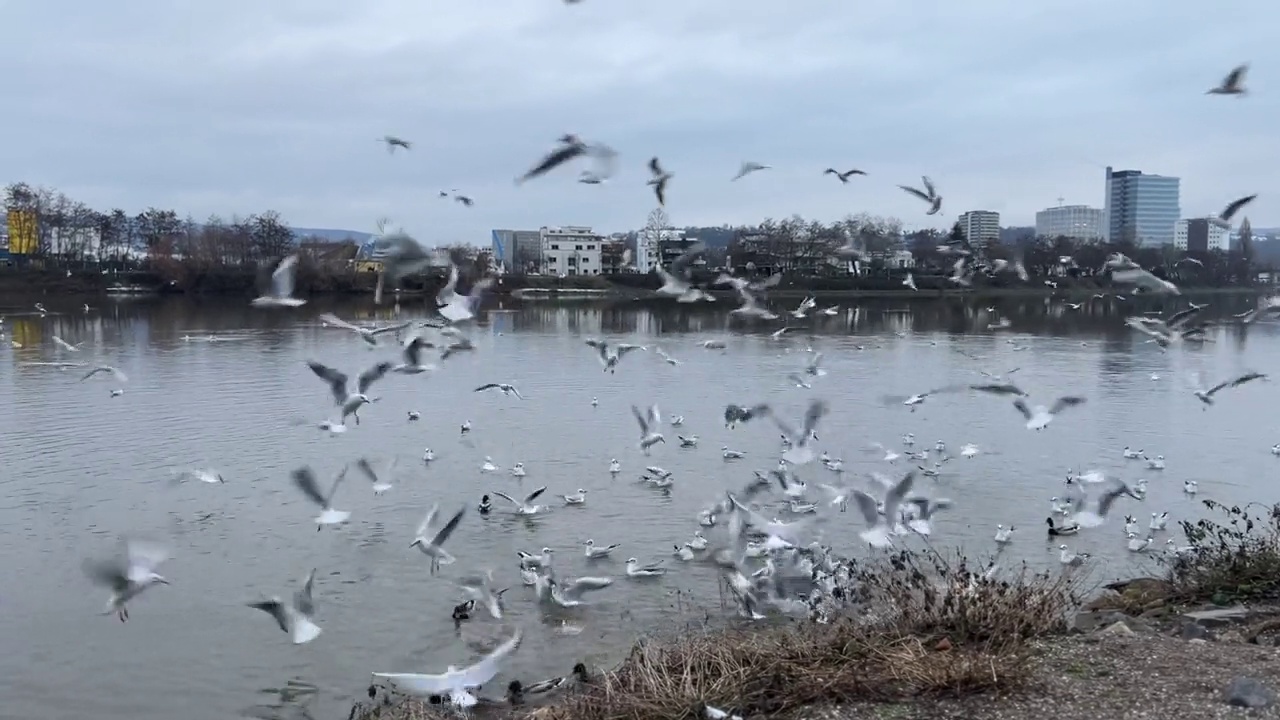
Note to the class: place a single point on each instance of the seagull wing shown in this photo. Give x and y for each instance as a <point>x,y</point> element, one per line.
<point>363,465</point>
<point>282,278</point>
<point>337,480</point>
<point>337,380</point>
<point>1235,206</point>
<point>489,666</point>
<point>534,495</point>
<point>642,419</point>
<point>1181,317</point>
<point>275,609</point>
<point>581,585</point>
<point>336,321</point>
<point>867,507</point>
<point>111,573</point>
<point>1065,402</point>
<point>372,375</point>
<point>302,601</point>
<point>305,479</point>
<point>489,386</point>
<point>506,497</point>
<point>816,410</point>
<point>448,528</point>
<point>430,517</point>
<point>1022,408</point>
<point>390,329</point>
<point>928,187</point>
<point>917,193</point>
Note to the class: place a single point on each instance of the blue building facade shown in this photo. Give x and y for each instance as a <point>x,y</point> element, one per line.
<point>1141,208</point>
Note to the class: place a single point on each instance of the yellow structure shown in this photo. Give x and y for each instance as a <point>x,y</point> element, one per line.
<point>368,266</point>
<point>23,235</point>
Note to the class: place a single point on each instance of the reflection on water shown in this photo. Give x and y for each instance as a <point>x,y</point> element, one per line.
<point>218,385</point>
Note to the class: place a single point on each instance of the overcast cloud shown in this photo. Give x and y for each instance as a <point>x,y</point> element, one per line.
<point>239,106</point>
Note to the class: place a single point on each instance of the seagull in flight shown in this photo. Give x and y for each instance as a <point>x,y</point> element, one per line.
<point>929,195</point>
<point>609,358</point>
<point>412,364</point>
<point>1039,417</point>
<point>659,180</point>
<point>1205,395</point>
<point>650,422</point>
<point>843,176</point>
<point>294,617</point>
<point>454,683</point>
<point>281,294</point>
<point>106,369</point>
<point>369,335</point>
<point>1232,84</point>
<point>526,506</point>
<point>305,480</point>
<point>431,544</point>
<point>349,402</point>
<point>128,575</point>
<point>748,168</point>
<point>800,451</point>
<point>392,142</point>
<point>504,387</point>
<point>1235,206</point>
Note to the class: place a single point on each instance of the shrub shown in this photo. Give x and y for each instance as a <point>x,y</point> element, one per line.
<point>917,624</point>
<point>1229,561</point>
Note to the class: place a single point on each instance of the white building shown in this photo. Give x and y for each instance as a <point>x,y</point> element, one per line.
<point>1078,222</point>
<point>570,250</point>
<point>981,227</point>
<point>649,247</point>
<point>1202,234</point>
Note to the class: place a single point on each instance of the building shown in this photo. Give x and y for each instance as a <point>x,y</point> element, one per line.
<point>613,256</point>
<point>670,248</point>
<point>1202,235</point>
<point>519,251</point>
<point>570,250</point>
<point>1140,208</point>
<point>649,244</point>
<point>980,227</point>
<point>1078,222</point>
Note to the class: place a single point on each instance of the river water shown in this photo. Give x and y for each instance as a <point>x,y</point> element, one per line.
<point>79,468</point>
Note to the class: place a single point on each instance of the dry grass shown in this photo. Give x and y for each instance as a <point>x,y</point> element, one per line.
<point>1235,560</point>
<point>920,625</point>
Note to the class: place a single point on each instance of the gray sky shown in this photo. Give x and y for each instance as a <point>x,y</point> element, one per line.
<point>239,106</point>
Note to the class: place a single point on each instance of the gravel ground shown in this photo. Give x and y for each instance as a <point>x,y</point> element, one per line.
<point>1104,677</point>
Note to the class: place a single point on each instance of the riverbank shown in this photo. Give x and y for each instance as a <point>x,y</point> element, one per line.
<point>312,281</point>
<point>926,640</point>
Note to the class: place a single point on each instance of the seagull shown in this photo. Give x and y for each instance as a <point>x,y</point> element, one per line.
<point>570,148</point>
<point>636,570</point>
<point>349,402</point>
<point>379,486</point>
<point>734,414</point>
<point>392,142</point>
<point>468,202</point>
<point>1004,535</point>
<point>128,575</point>
<point>504,387</point>
<point>1232,84</point>
<point>929,195</point>
<point>814,367</point>
<point>677,280</point>
<point>615,467</point>
<point>1234,207</point>
<point>480,588</point>
<point>569,594</point>
<point>431,545</point>
<point>919,398</point>
<point>594,551</point>
<point>455,683</point>
<point>910,281</point>
<point>576,499</point>
<point>456,307</point>
<point>369,335</point>
<point>281,286</point>
<point>750,307</point>
<point>412,364</point>
<point>609,358</point>
<point>650,423</point>
<point>295,617</point>
<point>750,167</point>
<point>659,180</point>
<point>523,507</point>
<point>305,479</point>
<point>665,357</point>
<point>63,344</point>
<point>204,476</point>
<point>843,176</point>
<point>1206,395</point>
<point>800,451</point>
<point>106,369</point>
<point>881,526</point>
<point>1040,417</point>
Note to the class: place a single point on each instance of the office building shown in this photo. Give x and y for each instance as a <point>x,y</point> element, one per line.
<point>1201,235</point>
<point>1078,222</point>
<point>570,250</point>
<point>1140,208</point>
<point>650,244</point>
<point>519,251</point>
<point>981,227</point>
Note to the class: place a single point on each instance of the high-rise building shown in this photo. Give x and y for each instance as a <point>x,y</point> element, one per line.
<point>980,227</point>
<point>1079,222</point>
<point>1140,208</point>
<point>1201,234</point>
<point>520,251</point>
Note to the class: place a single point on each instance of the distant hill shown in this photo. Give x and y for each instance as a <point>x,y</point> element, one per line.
<point>1011,235</point>
<point>332,235</point>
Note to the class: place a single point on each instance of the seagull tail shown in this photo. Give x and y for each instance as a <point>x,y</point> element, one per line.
<point>304,631</point>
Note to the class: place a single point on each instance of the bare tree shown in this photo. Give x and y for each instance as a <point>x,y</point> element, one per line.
<point>657,227</point>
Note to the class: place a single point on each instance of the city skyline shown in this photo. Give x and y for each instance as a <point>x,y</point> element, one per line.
<point>282,107</point>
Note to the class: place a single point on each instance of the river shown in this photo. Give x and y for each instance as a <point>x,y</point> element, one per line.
<point>79,468</point>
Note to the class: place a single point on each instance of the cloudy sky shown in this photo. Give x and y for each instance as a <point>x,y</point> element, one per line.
<point>239,106</point>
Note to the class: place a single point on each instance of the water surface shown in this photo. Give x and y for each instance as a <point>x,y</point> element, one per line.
<point>78,468</point>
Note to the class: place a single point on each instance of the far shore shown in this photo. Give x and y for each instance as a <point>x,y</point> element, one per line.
<point>545,288</point>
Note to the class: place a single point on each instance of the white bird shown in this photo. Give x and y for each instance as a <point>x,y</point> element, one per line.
<point>677,420</point>
<point>350,402</point>
<point>683,552</point>
<point>969,450</point>
<point>431,545</point>
<point>368,335</point>
<point>595,402</point>
<point>635,570</point>
<point>1232,84</point>
<point>689,441</point>
<point>518,470</point>
<point>454,683</point>
<point>127,575</point>
<point>281,293</point>
<point>205,476</point>
<point>814,366</point>
<point>295,618</point>
<point>66,345</point>
<point>750,167</point>
<point>880,527</point>
<point>305,480</point>
<point>1132,454</point>
<point>650,424</point>
<point>715,713</point>
<point>456,307</point>
<point>504,387</point>
<point>699,542</point>
<point>910,282</point>
<point>569,594</point>
<point>1137,544</point>
<point>1275,449</point>
<point>615,467</point>
<point>380,486</point>
<point>929,195</point>
<point>1155,463</point>
<point>1158,521</point>
<point>428,455</point>
<point>801,450</point>
<point>480,588</point>
<point>750,307</point>
<point>487,465</point>
<point>524,507</point>
<point>1066,557</point>
<point>576,499</point>
<point>594,551</point>
<point>609,358</point>
<point>1040,417</point>
<point>799,381</point>
<point>466,427</point>
<point>800,508</point>
<point>1190,487</point>
<point>665,357</point>
<point>105,369</point>
<point>1205,395</point>
<point>731,454</point>
<point>537,561</point>
<point>414,416</point>
<point>1004,535</point>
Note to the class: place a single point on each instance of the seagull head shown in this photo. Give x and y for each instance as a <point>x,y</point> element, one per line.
<point>417,542</point>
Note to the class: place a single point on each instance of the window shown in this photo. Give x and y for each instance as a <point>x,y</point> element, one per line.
<point>555,247</point>
<point>577,247</point>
